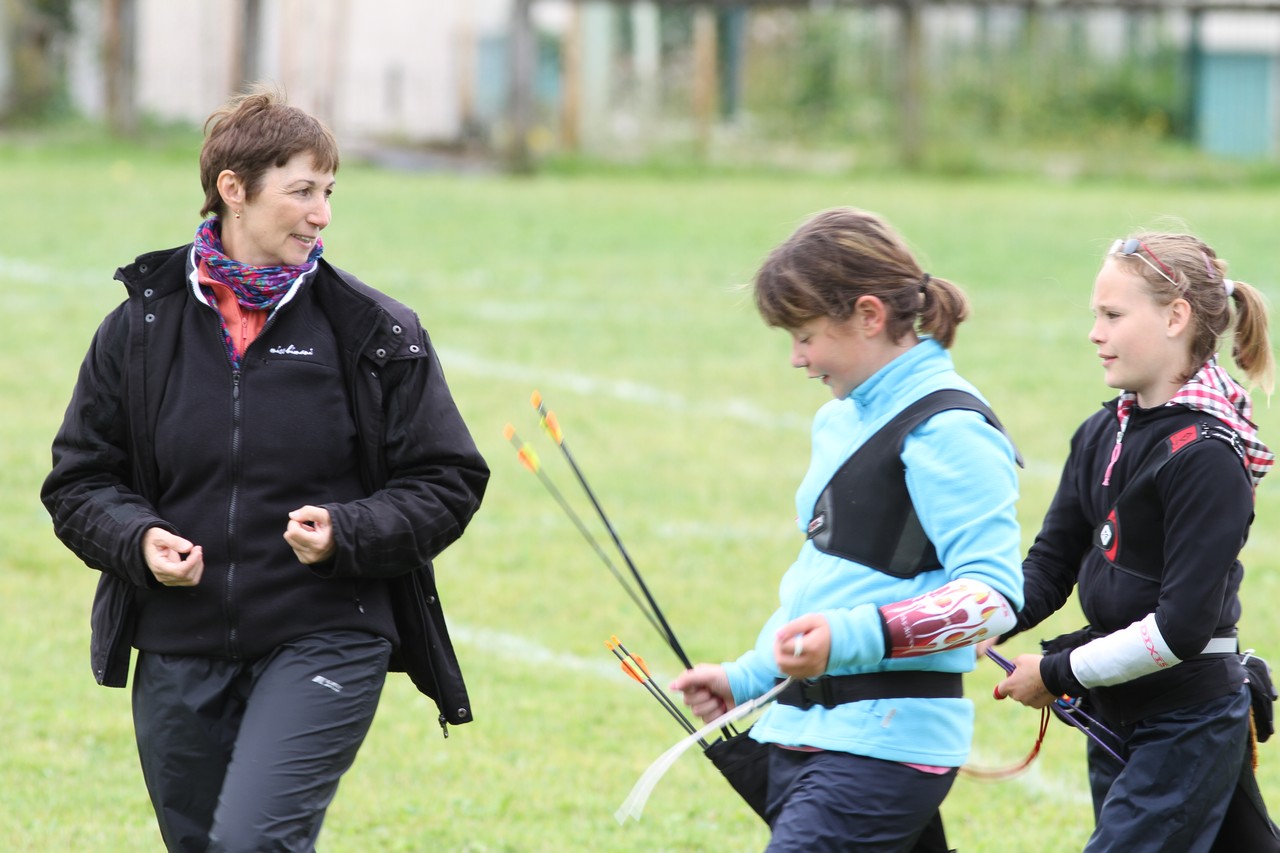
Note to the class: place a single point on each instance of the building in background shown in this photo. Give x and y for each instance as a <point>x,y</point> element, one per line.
<point>619,78</point>
<point>395,69</point>
<point>1237,86</point>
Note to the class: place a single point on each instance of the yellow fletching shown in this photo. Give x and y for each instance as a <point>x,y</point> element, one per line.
<point>552,426</point>
<point>529,458</point>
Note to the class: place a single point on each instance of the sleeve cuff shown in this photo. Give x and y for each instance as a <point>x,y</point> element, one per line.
<point>857,637</point>
<point>1058,678</point>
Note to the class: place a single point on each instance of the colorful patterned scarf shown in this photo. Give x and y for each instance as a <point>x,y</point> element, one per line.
<point>1215,393</point>
<point>256,288</point>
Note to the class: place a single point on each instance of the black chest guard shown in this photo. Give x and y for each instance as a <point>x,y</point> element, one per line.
<point>1138,506</point>
<point>865,513</point>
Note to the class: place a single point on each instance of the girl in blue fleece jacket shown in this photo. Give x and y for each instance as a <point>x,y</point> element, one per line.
<point>911,553</point>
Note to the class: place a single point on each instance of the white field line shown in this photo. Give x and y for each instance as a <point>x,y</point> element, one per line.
<point>624,390</point>
<point>636,392</point>
<point>34,273</point>
<point>506,646</point>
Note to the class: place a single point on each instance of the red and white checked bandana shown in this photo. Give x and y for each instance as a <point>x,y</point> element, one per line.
<point>1215,393</point>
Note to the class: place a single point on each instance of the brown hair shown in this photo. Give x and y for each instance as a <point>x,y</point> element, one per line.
<point>844,253</point>
<point>1201,280</point>
<point>253,132</point>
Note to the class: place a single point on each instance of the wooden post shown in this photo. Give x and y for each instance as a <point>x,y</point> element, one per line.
<point>704,76</point>
<point>911,93</point>
<point>1195,67</point>
<point>245,44</point>
<point>119,58</point>
<point>571,81</point>
<point>252,46</point>
<point>520,90</point>
<point>646,53</point>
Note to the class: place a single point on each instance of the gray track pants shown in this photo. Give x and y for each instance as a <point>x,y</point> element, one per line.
<point>246,755</point>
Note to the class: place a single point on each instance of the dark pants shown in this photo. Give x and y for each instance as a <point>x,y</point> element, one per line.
<point>1181,771</point>
<point>834,801</point>
<point>246,755</point>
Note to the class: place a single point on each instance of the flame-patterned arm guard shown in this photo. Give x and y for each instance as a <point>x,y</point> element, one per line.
<point>960,613</point>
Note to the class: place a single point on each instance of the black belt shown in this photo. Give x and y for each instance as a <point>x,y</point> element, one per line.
<point>832,690</point>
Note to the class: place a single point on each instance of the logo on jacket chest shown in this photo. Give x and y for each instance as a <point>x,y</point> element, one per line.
<point>1107,536</point>
<point>292,350</point>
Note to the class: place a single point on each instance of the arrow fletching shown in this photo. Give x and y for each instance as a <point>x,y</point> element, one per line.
<point>528,457</point>
<point>629,670</point>
<point>547,419</point>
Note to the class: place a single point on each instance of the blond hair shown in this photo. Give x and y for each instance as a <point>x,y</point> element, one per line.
<point>1198,275</point>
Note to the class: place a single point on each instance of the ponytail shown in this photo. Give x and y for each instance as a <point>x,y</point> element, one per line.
<point>943,307</point>
<point>1251,343</point>
<point>839,255</point>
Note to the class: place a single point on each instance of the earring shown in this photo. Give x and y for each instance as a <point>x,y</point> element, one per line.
<point>237,216</point>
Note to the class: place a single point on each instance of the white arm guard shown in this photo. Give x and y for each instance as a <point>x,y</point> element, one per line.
<point>1123,655</point>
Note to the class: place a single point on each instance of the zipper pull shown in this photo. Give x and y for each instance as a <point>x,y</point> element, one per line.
<point>444,727</point>
<point>1115,454</point>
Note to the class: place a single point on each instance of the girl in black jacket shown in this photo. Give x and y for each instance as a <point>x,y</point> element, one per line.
<point>1154,505</point>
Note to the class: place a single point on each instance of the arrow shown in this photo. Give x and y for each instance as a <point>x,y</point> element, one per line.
<point>529,459</point>
<point>552,427</point>
<point>635,667</point>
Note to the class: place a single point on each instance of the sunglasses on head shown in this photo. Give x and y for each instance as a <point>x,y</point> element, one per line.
<point>1133,247</point>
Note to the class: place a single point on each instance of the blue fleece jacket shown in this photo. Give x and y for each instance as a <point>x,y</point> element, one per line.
<point>962,480</point>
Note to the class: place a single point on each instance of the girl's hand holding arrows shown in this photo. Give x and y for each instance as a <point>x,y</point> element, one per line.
<point>706,690</point>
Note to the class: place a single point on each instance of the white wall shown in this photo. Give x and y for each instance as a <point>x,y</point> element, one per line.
<point>1246,33</point>
<point>397,68</point>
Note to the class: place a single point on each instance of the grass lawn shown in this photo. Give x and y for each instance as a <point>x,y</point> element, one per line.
<point>618,298</point>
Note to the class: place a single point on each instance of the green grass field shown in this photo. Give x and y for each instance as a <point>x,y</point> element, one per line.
<point>619,299</point>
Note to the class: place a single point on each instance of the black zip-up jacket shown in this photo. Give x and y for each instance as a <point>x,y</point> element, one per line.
<point>418,480</point>
<point>1192,530</point>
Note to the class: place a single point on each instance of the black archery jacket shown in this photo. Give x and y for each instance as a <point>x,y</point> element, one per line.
<point>1177,556</point>
<point>340,370</point>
